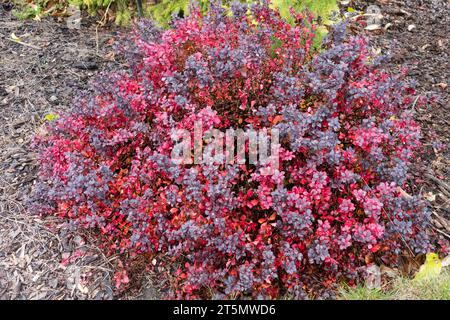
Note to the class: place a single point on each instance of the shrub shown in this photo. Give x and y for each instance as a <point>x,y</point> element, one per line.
<point>334,205</point>
<point>29,11</point>
<point>163,10</point>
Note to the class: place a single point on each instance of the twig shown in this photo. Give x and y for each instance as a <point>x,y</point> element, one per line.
<point>24,44</point>
<point>377,15</point>
<point>101,22</point>
<point>415,101</point>
<point>438,181</point>
<point>444,187</point>
<point>441,232</point>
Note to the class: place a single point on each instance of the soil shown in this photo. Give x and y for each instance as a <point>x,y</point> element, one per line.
<point>39,259</point>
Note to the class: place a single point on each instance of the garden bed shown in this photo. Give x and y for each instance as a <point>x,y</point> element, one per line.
<point>42,74</point>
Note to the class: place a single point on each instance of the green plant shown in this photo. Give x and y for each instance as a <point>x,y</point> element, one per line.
<point>323,10</point>
<point>162,12</point>
<point>30,10</point>
<point>120,8</point>
<point>363,293</point>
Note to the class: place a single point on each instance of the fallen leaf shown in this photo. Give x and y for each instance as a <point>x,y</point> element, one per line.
<point>109,56</point>
<point>82,289</point>
<point>430,269</point>
<point>430,196</point>
<point>442,85</point>
<point>404,193</point>
<point>372,27</point>
<point>110,41</point>
<point>376,51</point>
<point>15,38</point>
<point>373,277</point>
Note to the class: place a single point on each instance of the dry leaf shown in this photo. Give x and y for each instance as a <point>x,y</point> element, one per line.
<point>430,196</point>
<point>442,85</point>
<point>109,56</point>
<point>15,38</point>
<point>404,193</point>
<point>372,27</point>
<point>82,289</point>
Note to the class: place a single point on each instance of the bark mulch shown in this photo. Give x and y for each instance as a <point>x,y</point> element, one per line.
<point>38,258</point>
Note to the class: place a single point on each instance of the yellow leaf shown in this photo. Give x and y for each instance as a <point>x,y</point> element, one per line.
<point>15,38</point>
<point>430,269</point>
<point>51,117</point>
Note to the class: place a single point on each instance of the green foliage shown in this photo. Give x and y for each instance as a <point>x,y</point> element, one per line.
<point>94,5</point>
<point>123,13</point>
<point>29,11</point>
<point>163,11</point>
<point>430,269</point>
<point>363,293</point>
<point>322,10</point>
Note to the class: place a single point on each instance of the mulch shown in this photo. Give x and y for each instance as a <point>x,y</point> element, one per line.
<point>39,258</point>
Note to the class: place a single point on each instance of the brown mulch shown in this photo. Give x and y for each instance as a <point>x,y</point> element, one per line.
<point>39,259</point>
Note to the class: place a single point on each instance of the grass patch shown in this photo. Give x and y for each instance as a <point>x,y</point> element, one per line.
<point>437,288</point>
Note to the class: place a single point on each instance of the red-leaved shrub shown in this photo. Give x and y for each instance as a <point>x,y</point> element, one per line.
<point>334,206</point>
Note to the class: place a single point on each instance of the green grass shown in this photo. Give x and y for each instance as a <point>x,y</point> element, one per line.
<point>403,289</point>
<point>363,293</point>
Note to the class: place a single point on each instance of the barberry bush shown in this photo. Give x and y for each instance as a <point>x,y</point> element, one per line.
<point>333,206</point>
